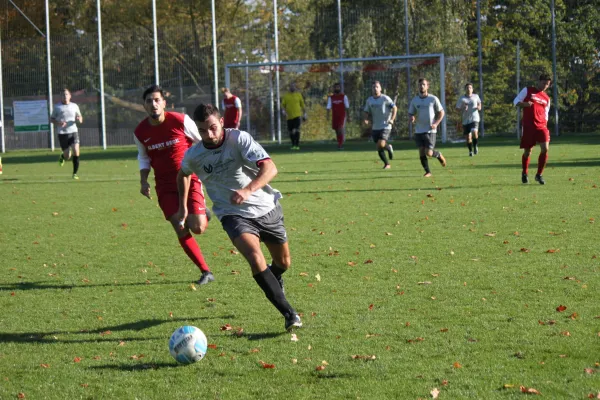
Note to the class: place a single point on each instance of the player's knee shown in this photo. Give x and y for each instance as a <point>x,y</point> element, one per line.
<point>284,262</point>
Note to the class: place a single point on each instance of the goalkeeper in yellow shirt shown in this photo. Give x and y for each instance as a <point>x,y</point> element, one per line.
<point>293,109</point>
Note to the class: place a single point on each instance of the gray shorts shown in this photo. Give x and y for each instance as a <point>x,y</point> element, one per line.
<point>66,140</point>
<point>426,140</point>
<point>269,228</point>
<point>381,134</point>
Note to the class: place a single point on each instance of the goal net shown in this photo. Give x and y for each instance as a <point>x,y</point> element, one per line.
<point>256,85</point>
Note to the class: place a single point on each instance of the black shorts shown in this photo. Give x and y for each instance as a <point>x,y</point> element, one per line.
<point>269,228</point>
<point>426,140</point>
<point>68,139</point>
<point>468,128</point>
<point>381,134</point>
<point>294,124</point>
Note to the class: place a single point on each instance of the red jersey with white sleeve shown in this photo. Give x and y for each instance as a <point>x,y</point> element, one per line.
<point>231,107</point>
<point>163,146</point>
<point>338,103</point>
<point>536,116</point>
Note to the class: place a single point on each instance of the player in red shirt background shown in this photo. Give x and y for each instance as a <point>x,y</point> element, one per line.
<point>232,109</point>
<point>536,105</point>
<point>338,105</point>
<point>162,140</point>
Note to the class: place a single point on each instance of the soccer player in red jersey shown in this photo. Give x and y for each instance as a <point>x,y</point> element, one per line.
<point>232,109</point>
<point>162,140</point>
<point>337,105</point>
<point>536,105</point>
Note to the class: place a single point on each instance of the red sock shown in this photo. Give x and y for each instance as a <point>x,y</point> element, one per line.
<point>542,159</point>
<point>191,248</point>
<point>525,163</point>
<point>340,140</point>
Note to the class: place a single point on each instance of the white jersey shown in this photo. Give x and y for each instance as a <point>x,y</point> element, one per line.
<point>230,167</point>
<point>425,109</point>
<point>471,114</point>
<point>380,109</point>
<point>66,113</point>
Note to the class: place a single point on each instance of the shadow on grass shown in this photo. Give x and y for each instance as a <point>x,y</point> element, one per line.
<point>137,367</point>
<point>47,286</point>
<point>48,337</point>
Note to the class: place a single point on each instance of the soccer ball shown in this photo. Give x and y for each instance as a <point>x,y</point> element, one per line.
<point>188,344</point>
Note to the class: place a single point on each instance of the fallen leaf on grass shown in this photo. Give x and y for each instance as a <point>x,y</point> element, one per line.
<point>528,390</point>
<point>424,283</point>
<point>552,250</point>
<point>456,365</point>
<point>77,359</point>
<point>303,274</point>
<point>265,365</point>
<point>226,327</point>
<point>415,340</point>
<point>491,234</point>
<point>212,346</point>
<point>561,308</point>
<point>294,338</point>
<point>350,263</point>
<point>434,393</point>
<point>21,396</point>
<point>368,262</point>
<point>136,357</point>
<point>318,277</point>
<point>589,371</point>
<point>365,357</point>
<point>524,250</point>
<point>45,365</point>
<point>320,368</point>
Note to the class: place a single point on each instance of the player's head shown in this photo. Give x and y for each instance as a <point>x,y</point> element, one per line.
<point>337,88</point>
<point>210,124</point>
<point>376,88</point>
<point>544,82</point>
<point>292,86</point>
<point>469,88</point>
<point>423,86</point>
<point>154,101</point>
<point>65,96</point>
<point>226,92</point>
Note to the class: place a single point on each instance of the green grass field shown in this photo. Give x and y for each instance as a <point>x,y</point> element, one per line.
<point>407,285</point>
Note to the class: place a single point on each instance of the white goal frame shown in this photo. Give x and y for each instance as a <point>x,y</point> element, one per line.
<point>275,66</point>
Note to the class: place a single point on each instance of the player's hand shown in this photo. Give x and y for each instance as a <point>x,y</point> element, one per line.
<point>240,196</point>
<point>145,190</point>
<point>366,122</point>
<point>79,119</point>
<point>182,215</point>
<point>63,124</point>
<point>434,126</point>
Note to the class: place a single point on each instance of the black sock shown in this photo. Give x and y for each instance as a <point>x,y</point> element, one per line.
<point>425,164</point>
<point>276,270</point>
<point>75,164</point>
<point>470,146</point>
<point>383,156</point>
<point>268,283</point>
<point>475,142</point>
<point>297,139</point>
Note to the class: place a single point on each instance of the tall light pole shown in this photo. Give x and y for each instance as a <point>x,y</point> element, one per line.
<point>554,80</point>
<point>49,68</point>
<point>340,43</point>
<point>408,94</point>
<point>101,75</point>
<point>155,36</point>
<point>479,58</point>
<point>277,72</point>
<point>215,66</point>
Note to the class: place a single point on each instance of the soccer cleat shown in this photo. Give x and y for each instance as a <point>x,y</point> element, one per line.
<point>427,175</point>
<point>75,177</point>
<point>524,178</point>
<point>206,277</point>
<point>297,148</point>
<point>390,151</point>
<point>61,160</point>
<point>387,166</point>
<point>442,160</point>
<point>470,154</point>
<point>293,322</point>
<point>540,179</point>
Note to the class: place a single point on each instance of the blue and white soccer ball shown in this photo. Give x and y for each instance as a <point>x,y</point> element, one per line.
<point>188,344</point>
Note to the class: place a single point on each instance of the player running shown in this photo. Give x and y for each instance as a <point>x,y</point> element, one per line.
<point>382,111</point>
<point>469,106</point>
<point>337,106</point>
<point>162,140</point>
<point>236,171</point>
<point>536,105</point>
<point>232,109</point>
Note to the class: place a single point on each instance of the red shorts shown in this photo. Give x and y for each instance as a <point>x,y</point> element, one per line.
<point>338,124</point>
<point>532,136</point>
<point>168,200</point>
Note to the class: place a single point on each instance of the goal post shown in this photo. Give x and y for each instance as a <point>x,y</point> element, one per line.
<point>255,85</point>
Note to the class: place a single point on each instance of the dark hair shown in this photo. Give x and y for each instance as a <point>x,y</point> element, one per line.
<point>203,111</point>
<point>66,90</point>
<point>545,77</point>
<point>375,83</point>
<point>468,84</point>
<point>224,89</point>
<point>423,80</point>
<point>153,89</point>
<point>337,84</point>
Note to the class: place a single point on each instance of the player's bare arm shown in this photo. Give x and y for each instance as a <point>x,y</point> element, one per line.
<point>411,118</point>
<point>366,117</point>
<point>183,187</point>
<point>144,185</point>
<point>393,116</point>
<point>266,172</point>
<point>440,117</point>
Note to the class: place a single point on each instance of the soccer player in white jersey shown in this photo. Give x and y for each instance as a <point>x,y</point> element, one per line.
<point>65,116</point>
<point>382,111</point>
<point>469,106</point>
<point>236,171</point>
<point>427,112</point>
